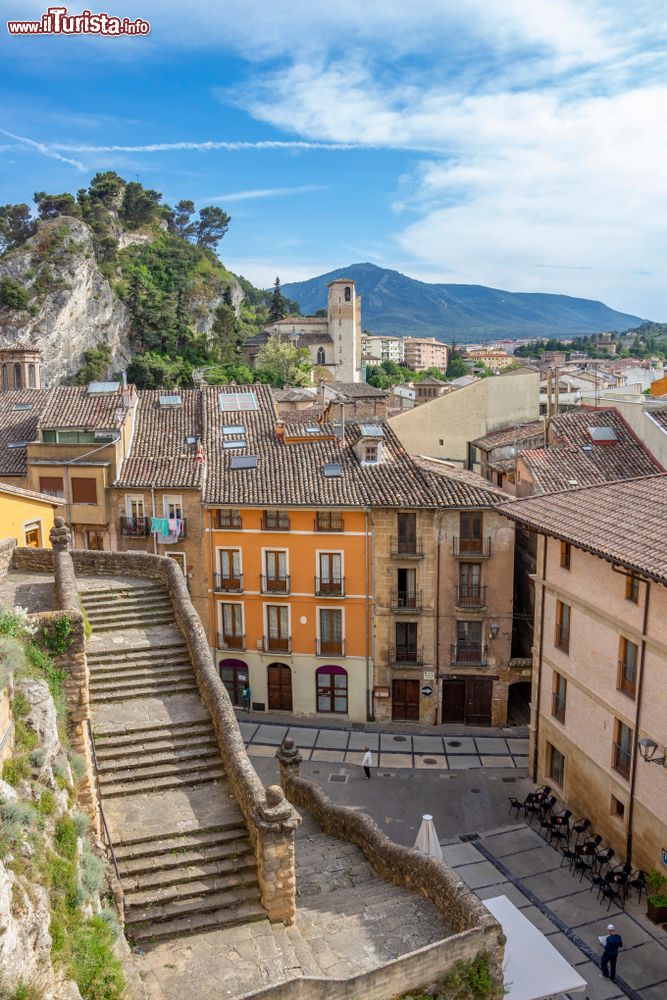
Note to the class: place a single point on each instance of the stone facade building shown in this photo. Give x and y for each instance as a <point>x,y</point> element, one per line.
<point>599,658</point>
<point>20,368</point>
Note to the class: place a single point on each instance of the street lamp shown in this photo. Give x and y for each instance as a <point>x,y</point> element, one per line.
<point>494,629</point>
<point>647,748</point>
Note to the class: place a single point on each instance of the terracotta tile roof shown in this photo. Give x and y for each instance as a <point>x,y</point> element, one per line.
<point>507,436</point>
<point>159,454</point>
<point>295,395</point>
<point>296,320</point>
<point>604,520</point>
<point>31,495</point>
<point>659,414</point>
<point>574,459</point>
<point>73,406</point>
<point>18,425</point>
<point>356,390</point>
<point>455,487</point>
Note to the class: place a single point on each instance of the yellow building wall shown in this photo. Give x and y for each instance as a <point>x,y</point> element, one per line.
<point>659,387</point>
<point>17,512</point>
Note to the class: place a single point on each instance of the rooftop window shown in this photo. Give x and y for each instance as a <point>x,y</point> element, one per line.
<point>243,462</point>
<point>102,388</point>
<point>168,401</point>
<point>237,402</point>
<point>22,406</point>
<point>331,470</point>
<point>602,435</point>
<point>372,430</point>
<point>18,444</point>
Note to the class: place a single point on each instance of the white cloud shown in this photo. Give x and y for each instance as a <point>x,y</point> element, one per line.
<point>43,149</point>
<point>253,193</point>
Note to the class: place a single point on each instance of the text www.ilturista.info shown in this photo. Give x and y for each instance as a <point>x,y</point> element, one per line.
<point>56,21</point>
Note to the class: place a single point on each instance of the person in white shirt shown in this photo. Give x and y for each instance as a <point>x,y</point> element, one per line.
<point>367,761</point>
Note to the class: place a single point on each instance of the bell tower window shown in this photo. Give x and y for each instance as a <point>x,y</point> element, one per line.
<point>321,357</point>
<point>348,293</point>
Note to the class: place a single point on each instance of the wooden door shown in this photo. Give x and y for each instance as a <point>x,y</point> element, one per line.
<point>453,700</point>
<point>479,696</point>
<point>280,687</point>
<point>405,700</point>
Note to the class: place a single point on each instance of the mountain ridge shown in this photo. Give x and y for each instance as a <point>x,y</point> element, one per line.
<point>395,304</point>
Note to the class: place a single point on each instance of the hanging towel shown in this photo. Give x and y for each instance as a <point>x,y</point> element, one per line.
<point>159,524</point>
<point>173,524</point>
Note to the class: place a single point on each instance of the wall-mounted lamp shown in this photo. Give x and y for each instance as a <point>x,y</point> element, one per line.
<point>647,748</point>
<point>494,629</point>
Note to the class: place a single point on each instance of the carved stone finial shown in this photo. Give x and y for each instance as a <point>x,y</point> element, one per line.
<point>59,535</point>
<point>274,795</point>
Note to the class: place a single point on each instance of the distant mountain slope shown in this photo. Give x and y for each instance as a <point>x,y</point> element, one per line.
<point>395,304</point>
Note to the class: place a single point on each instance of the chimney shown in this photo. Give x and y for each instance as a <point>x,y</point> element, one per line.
<point>280,431</point>
<point>200,456</point>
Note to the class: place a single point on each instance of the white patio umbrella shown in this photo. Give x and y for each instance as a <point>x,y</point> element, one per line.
<point>427,839</point>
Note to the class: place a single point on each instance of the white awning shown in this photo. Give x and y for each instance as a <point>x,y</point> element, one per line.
<point>533,969</point>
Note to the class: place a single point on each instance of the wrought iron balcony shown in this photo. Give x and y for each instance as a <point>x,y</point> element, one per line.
<point>621,760</point>
<point>471,596</point>
<point>135,527</point>
<point>275,521</point>
<point>230,641</point>
<point>464,655</point>
<point>407,548</point>
<point>626,680</point>
<point>325,521</point>
<point>471,548</point>
<point>227,520</point>
<point>277,644</point>
<point>558,707</point>
<point>329,588</point>
<point>228,584</point>
<point>562,638</point>
<point>406,656</point>
<point>406,602</point>
<point>331,647</point>
<point>275,585</point>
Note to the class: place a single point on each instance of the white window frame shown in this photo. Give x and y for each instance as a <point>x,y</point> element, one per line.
<point>265,616</point>
<point>134,498</point>
<point>329,607</point>
<point>35,524</point>
<point>221,605</point>
<point>265,569</point>
<point>219,549</point>
<point>176,501</point>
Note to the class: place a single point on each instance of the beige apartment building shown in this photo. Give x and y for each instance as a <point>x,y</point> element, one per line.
<point>422,353</point>
<point>600,658</point>
<point>375,348</point>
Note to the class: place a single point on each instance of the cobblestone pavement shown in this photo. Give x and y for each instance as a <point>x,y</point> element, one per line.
<point>389,749</point>
<point>34,591</point>
<point>517,863</point>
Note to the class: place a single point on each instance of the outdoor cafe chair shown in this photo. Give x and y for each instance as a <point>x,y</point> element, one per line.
<point>559,827</point>
<point>612,895</point>
<point>603,858</point>
<point>581,828</point>
<point>569,857</point>
<point>638,882</point>
<point>518,805</point>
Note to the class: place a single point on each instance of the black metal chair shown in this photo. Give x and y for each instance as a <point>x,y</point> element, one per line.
<point>603,858</point>
<point>532,809</point>
<point>638,882</point>
<point>518,805</point>
<point>612,895</point>
<point>559,827</point>
<point>569,857</point>
<point>597,882</point>
<point>619,877</point>
<point>581,828</point>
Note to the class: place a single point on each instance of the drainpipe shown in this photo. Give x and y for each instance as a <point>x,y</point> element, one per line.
<point>640,686</point>
<point>438,546</point>
<point>153,515</point>
<point>536,750</point>
<point>214,640</point>
<point>369,591</point>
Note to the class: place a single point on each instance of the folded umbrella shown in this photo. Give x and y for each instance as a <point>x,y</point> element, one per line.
<point>427,839</point>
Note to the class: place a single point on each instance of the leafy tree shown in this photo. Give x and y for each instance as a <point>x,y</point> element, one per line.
<point>225,334</point>
<point>181,223</point>
<point>140,205</point>
<point>157,371</point>
<point>278,306</point>
<point>212,225</point>
<point>107,189</point>
<point>456,366</point>
<point>16,226</point>
<point>280,364</point>
<point>50,206</point>
<point>234,372</point>
<point>95,365</point>
<point>13,295</point>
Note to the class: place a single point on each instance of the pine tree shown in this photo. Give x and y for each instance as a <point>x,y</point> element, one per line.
<point>278,307</point>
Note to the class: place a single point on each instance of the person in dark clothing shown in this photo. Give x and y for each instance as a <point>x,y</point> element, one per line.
<point>246,697</point>
<point>612,945</point>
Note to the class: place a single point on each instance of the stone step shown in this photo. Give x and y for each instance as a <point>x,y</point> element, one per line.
<point>137,749</point>
<point>229,850</point>
<point>156,768</point>
<point>147,587</point>
<point>223,900</point>
<point>194,872</point>
<point>124,674</point>
<point>111,736</point>
<point>137,652</point>
<point>304,953</point>
<point>138,762</point>
<point>138,619</point>
<point>151,599</point>
<point>121,608</point>
<point>197,923</point>
<point>145,691</point>
<point>156,839</point>
<point>159,784</point>
<point>285,951</point>
<point>136,679</point>
<point>225,836</point>
<point>194,889</point>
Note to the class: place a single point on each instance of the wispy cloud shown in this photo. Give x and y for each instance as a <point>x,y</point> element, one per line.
<point>266,193</point>
<point>207,145</point>
<point>43,149</point>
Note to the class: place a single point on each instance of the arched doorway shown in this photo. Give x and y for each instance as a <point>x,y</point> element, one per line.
<point>331,689</point>
<point>234,674</point>
<point>518,703</point>
<point>280,687</point>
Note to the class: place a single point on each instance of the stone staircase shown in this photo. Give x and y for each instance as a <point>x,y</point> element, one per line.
<point>185,859</point>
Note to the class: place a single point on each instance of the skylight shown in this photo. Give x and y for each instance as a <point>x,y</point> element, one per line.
<point>243,462</point>
<point>102,388</point>
<point>313,429</point>
<point>22,406</point>
<point>237,402</point>
<point>233,430</point>
<point>170,400</point>
<point>603,435</point>
<point>191,439</point>
<point>331,470</point>
<point>18,444</point>
<point>372,430</point>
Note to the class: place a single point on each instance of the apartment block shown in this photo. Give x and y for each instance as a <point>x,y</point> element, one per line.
<point>422,353</point>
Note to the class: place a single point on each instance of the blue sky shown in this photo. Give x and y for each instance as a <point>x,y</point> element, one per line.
<point>519,144</point>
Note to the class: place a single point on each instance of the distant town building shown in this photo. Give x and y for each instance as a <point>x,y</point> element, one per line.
<point>430,388</point>
<point>497,360</point>
<point>20,368</point>
<point>422,353</point>
<point>376,348</point>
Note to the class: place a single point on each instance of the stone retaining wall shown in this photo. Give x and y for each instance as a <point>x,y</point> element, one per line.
<point>270,819</point>
<point>7,546</point>
<point>28,560</point>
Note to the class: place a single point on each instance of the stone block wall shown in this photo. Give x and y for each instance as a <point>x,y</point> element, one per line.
<point>7,546</point>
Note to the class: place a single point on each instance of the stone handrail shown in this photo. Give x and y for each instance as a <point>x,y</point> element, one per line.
<point>270,819</point>
<point>7,546</point>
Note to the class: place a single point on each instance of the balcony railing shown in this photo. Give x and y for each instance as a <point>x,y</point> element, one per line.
<point>468,656</point>
<point>621,760</point>
<point>464,548</point>
<point>329,588</point>
<point>277,644</point>
<point>228,584</point>
<point>275,522</point>
<point>231,641</point>
<point>135,527</point>
<point>558,707</point>
<point>409,656</point>
<point>331,647</point>
<point>471,596</point>
<point>403,601</point>
<point>626,681</point>
<point>228,520</point>
<point>407,548</point>
<point>562,638</point>
<point>329,522</point>
<point>275,584</point>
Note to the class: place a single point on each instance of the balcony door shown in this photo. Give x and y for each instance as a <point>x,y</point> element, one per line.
<point>407,532</point>
<point>232,626</point>
<point>331,631</point>
<point>331,572</point>
<point>406,642</point>
<point>471,530</point>
<point>407,588</point>
<point>470,578</point>
<point>468,642</point>
<point>276,571</point>
<point>277,620</point>
<point>230,567</point>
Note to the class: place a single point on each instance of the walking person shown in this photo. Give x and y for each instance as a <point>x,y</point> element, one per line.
<point>367,762</point>
<point>612,944</point>
<point>246,696</point>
